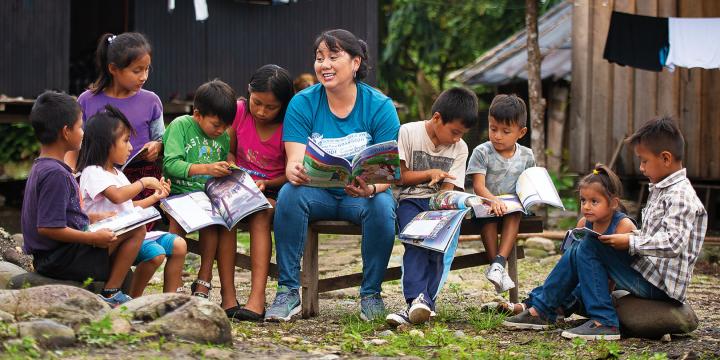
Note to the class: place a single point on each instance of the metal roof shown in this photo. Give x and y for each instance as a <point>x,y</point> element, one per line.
<point>507,62</point>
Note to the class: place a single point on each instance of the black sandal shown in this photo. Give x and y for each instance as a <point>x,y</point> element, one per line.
<point>204,295</point>
<point>240,313</point>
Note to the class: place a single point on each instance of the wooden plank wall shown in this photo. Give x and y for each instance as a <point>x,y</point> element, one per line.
<point>611,101</point>
<point>35,46</point>
<point>239,37</point>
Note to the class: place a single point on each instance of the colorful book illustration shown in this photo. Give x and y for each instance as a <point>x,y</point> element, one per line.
<point>433,230</point>
<point>376,164</point>
<point>225,202</point>
<point>127,220</point>
<point>577,234</point>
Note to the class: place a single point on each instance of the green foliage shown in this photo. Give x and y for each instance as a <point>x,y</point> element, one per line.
<point>27,348</point>
<point>481,320</point>
<point>18,143</point>
<point>101,333</point>
<point>564,182</point>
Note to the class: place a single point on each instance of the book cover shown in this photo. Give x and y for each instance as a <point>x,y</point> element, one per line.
<point>127,220</point>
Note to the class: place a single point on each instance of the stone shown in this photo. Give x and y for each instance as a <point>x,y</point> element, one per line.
<point>47,333</point>
<point>416,333</point>
<point>178,315</point>
<point>5,317</point>
<point>17,239</point>
<point>11,251</point>
<point>68,305</point>
<point>459,334</point>
<point>536,253</point>
<point>666,338</point>
<point>652,319</point>
<point>541,243</point>
<point>32,279</point>
<point>219,354</point>
<point>289,339</point>
<point>378,342</point>
<point>7,272</point>
<point>386,333</point>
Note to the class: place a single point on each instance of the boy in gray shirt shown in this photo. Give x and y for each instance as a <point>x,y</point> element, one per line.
<point>495,167</point>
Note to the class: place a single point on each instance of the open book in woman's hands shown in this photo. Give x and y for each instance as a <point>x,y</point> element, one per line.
<point>376,164</point>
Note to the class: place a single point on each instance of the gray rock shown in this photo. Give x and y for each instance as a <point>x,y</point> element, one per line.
<point>378,342</point>
<point>459,334</point>
<point>652,319</point>
<point>5,317</point>
<point>536,253</point>
<point>67,305</point>
<point>32,279</point>
<point>386,333</point>
<point>17,239</point>
<point>540,243</point>
<point>47,333</point>
<point>219,354</point>
<point>7,272</point>
<point>178,315</point>
<point>10,250</point>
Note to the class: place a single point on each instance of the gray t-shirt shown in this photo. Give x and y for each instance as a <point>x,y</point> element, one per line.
<point>501,174</point>
<point>419,153</point>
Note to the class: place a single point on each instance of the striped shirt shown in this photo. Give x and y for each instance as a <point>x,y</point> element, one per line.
<point>672,232</point>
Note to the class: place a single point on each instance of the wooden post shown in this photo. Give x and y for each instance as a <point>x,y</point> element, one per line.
<point>512,271</point>
<point>557,109</point>
<point>310,276</point>
<point>537,103</point>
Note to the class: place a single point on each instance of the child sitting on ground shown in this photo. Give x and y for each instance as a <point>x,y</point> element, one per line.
<point>53,222</point>
<point>495,167</point>
<point>655,262</point>
<point>432,159</point>
<point>104,187</point>
<point>196,149</point>
<point>600,193</point>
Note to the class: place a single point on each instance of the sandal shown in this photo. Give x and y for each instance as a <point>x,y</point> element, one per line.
<point>204,295</point>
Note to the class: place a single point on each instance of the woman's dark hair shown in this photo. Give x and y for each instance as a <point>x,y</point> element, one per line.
<point>101,132</point>
<point>120,50</point>
<point>339,40</point>
<point>608,180</point>
<point>272,78</point>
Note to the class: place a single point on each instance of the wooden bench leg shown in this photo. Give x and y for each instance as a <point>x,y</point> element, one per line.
<point>512,271</point>
<point>310,276</point>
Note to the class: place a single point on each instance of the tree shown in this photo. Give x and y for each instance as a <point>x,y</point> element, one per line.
<point>537,102</point>
<point>427,39</point>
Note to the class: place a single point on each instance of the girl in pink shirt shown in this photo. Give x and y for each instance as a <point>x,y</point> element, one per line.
<point>256,146</point>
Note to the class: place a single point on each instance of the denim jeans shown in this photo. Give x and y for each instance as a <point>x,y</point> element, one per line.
<point>572,304</point>
<point>298,205</point>
<point>590,266</point>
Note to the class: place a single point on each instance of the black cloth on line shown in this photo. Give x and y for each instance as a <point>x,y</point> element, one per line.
<point>636,40</point>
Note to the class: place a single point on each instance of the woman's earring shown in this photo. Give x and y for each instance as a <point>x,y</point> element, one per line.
<point>354,73</point>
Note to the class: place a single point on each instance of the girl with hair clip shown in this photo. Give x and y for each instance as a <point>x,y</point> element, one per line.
<point>104,188</point>
<point>603,213</point>
<point>123,64</point>
<point>261,152</point>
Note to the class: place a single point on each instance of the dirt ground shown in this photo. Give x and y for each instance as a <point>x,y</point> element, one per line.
<point>326,336</point>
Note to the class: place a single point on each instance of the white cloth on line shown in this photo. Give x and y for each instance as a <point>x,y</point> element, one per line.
<point>694,42</point>
<point>201,10</point>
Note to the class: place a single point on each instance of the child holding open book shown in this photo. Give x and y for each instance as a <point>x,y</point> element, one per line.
<point>495,167</point>
<point>432,159</point>
<point>104,188</point>
<point>196,149</point>
<point>258,124</point>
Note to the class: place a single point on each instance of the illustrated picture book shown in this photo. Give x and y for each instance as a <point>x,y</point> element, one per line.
<point>225,201</point>
<point>127,220</point>
<point>376,164</point>
<point>434,229</point>
<point>534,187</point>
<point>576,234</point>
<point>137,158</point>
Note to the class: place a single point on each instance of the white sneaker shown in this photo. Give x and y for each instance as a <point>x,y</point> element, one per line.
<point>419,310</point>
<point>494,273</point>
<point>507,282</point>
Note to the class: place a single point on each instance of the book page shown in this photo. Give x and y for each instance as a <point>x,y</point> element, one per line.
<point>325,170</point>
<point>184,208</point>
<point>378,164</point>
<point>451,200</point>
<point>126,221</point>
<point>534,187</point>
<point>446,227</point>
<point>235,196</point>
<point>420,228</point>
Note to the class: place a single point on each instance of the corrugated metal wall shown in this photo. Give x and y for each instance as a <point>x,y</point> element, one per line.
<point>237,38</point>
<point>34,46</point>
<point>610,101</point>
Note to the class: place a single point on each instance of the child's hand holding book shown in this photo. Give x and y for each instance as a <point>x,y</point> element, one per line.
<point>102,238</point>
<point>498,207</point>
<point>217,169</point>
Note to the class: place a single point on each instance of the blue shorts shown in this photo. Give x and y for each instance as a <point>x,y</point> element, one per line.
<point>151,248</point>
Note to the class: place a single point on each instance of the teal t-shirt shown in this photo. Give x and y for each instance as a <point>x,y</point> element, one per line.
<point>185,144</point>
<point>372,120</point>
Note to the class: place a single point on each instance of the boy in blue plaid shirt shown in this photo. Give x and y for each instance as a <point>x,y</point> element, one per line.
<point>655,262</point>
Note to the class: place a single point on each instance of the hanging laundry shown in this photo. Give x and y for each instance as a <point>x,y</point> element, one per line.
<point>636,40</point>
<point>694,42</point>
<point>201,10</point>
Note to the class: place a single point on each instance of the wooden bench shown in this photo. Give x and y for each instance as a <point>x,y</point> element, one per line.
<point>312,285</point>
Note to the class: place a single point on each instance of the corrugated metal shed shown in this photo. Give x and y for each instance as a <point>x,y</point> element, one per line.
<point>507,62</point>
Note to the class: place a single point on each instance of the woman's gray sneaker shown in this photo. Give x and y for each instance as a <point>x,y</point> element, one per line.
<point>285,306</point>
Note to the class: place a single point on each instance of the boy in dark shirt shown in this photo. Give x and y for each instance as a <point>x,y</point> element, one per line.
<point>53,222</point>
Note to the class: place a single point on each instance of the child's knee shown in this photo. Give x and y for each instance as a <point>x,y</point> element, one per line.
<point>179,247</point>
<point>157,260</point>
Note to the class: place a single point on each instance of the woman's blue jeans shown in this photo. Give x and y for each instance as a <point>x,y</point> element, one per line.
<point>590,266</point>
<point>299,205</point>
